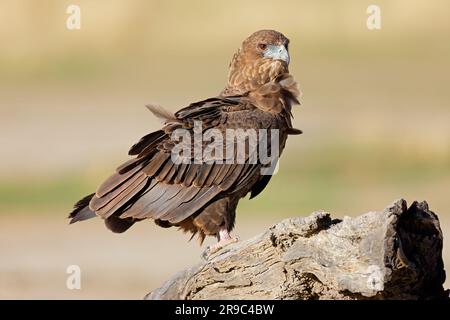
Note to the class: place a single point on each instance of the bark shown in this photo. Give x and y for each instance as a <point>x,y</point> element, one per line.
<point>393,254</point>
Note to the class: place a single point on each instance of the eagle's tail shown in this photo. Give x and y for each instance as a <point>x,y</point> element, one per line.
<point>81,210</point>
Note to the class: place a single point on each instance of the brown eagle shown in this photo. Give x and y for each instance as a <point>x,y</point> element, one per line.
<point>201,197</point>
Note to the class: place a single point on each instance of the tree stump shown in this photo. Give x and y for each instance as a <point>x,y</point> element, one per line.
<point>393,254</point>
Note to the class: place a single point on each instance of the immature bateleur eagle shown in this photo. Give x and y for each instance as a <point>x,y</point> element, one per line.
<point>201,198</point>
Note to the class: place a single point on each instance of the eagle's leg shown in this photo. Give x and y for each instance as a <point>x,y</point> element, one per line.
<point>225,239</point>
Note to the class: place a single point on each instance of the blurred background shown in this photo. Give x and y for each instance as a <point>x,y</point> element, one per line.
<point>375,115</point>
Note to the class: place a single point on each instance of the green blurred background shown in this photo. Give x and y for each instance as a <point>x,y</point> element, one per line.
<point>375,116</point>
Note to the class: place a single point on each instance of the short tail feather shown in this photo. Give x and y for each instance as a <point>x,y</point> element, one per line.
<point>81,210</point>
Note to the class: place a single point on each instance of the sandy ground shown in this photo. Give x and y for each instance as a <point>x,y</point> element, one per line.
<point>35,253</point>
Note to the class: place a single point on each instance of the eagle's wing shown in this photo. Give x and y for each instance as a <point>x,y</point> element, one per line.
<point>151,185</point>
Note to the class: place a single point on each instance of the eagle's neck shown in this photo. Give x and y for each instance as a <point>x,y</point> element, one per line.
<point>277,96</point>
<point>247,75</point>
<point>266,83</point>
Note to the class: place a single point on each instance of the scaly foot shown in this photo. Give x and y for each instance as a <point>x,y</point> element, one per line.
<point>225,240</point>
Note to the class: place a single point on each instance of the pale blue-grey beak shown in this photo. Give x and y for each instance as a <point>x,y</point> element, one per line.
<point>277,53</point>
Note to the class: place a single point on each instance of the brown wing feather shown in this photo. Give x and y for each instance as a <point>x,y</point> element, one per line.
<point>99,202</point>
<point>186,209</point>
<point>146,141</point>
<point>114,181</point>
<point>155,164</point>
<point>122,198</point>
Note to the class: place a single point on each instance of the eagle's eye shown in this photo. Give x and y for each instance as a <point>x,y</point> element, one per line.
<point>262,46</point>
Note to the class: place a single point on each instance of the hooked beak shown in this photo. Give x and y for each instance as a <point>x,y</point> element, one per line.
<point>277,53</point>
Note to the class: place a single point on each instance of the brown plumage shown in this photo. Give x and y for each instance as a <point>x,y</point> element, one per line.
<point>201,198</point>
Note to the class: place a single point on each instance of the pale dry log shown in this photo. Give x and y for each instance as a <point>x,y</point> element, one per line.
<point>393,254</point>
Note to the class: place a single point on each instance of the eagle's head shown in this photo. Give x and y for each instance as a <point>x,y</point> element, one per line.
<point>262,57</point>
<point>266,45</point>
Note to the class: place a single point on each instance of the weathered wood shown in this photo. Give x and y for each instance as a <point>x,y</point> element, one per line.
<point>393,254</point>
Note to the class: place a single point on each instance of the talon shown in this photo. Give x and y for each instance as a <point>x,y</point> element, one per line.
<point>206,253</point>
<point>225,240</point>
